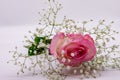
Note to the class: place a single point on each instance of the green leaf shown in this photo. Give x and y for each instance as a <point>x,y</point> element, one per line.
<point>37,40</point>
<point>34,47</point>
<point>40,50</point>
<point>47,41</point>
<point>31,50</point>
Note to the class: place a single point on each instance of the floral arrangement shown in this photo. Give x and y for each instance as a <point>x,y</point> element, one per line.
<point>61,49</point>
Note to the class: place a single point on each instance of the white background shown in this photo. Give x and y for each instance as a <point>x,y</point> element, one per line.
<point>19,16</point>
<point>25,12</point>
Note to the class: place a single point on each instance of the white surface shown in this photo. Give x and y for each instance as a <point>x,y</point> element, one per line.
<point>25,12</point>
<point>16,14</point>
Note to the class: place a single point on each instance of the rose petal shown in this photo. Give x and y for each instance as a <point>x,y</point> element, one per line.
<point>91,49</point>
<point>56,42</point>
<point>74,37</point>
<point>88,37</point>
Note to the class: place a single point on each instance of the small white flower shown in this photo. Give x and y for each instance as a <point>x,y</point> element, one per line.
<point>72,54</point>
<point>75,71</point>
<point>30,51</point>
<point>63,52</point>
<point>99,61</point>
<point>69,60</point>
<point>81,71</point>
<point>86,64</point>
<point>87,73</point>
<point>88,68</point>
<point>68,67</point>
<point>97,66</point>
<point>94,71</point>
<point>38,46</point>
<point>35,52</point>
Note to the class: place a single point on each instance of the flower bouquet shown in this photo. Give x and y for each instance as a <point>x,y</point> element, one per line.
<point>61,49</point>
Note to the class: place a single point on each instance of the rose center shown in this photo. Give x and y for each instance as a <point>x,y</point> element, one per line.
<point>78,53</point>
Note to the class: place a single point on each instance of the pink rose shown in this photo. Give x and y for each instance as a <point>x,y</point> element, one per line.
<point>72,49</point>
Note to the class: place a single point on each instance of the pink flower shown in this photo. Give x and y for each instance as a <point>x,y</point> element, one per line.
<point>72,49</point>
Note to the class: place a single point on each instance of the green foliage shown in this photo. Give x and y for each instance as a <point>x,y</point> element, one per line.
<point>34,49</point>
